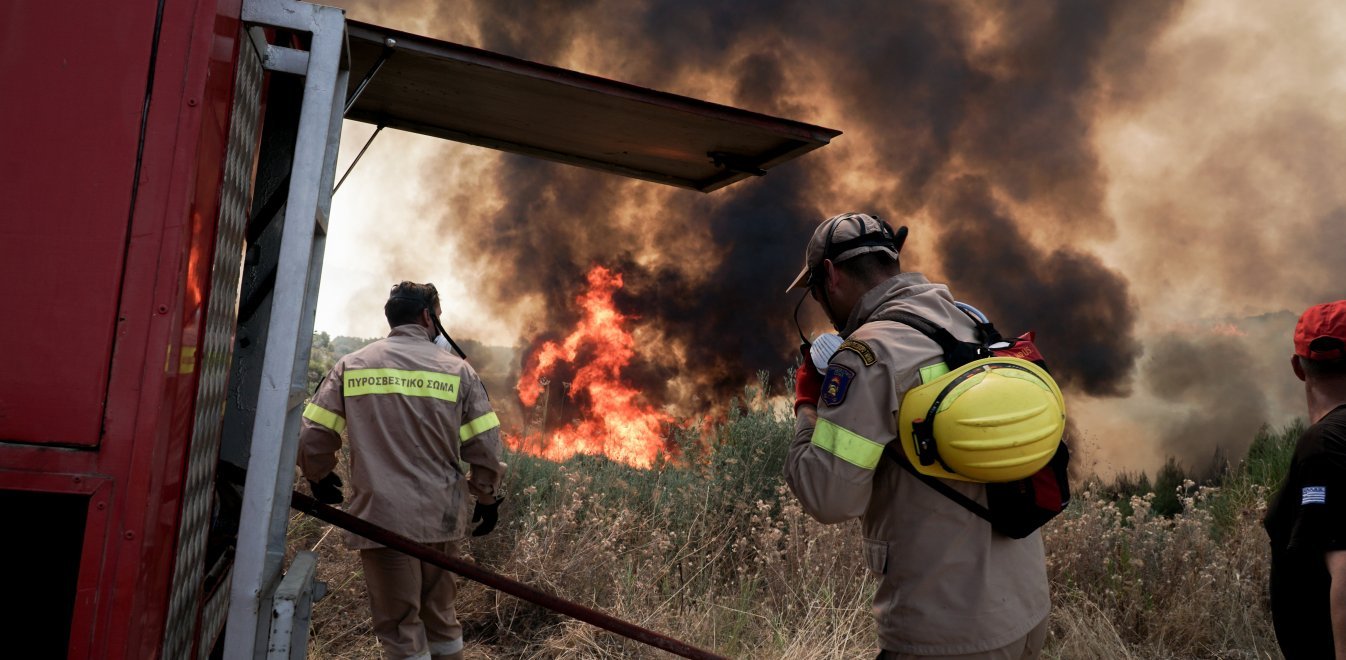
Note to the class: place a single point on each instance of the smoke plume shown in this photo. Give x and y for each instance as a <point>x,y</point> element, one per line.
<point>944,122</point>
<point>1103,173</point>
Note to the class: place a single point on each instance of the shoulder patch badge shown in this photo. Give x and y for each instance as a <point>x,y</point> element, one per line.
<point>835,384</point>
<point>1309,495</point>
<point>859,348</point>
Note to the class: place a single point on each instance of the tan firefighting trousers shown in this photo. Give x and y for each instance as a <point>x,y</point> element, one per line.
<point>411,603</point>
<point>1028,647</point>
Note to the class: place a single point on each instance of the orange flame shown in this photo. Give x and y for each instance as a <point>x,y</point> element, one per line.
<point>613,420</point>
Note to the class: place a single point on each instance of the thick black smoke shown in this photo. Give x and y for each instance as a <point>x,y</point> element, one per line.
<point>978,120</point>
<point>1079,308</point>
<point>735,322</point>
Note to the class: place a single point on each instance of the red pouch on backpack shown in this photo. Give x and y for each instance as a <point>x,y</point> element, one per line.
<point>1023,506</point>
<point>1021,347</point>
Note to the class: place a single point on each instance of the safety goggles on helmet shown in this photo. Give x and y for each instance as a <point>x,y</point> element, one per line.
<point>881,236</point>
<point>833,250</point>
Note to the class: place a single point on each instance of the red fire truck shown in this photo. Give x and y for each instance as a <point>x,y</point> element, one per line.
<point>165,182</point>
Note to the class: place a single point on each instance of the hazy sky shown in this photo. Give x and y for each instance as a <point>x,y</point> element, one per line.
<point>1151,186</point>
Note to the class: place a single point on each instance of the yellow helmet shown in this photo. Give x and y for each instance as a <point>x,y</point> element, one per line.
<point>992,420</point>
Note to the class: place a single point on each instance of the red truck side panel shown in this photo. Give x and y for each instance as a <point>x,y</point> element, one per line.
<point>166,287</point>
<point>73,114</point>
<point>105,274</point>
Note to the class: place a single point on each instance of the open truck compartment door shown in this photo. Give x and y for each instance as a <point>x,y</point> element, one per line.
<point>470,95</point>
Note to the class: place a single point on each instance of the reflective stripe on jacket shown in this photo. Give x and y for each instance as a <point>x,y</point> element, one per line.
<point>949,585</point>
<point>423,436</point>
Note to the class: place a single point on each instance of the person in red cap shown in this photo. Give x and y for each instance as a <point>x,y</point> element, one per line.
<point>1307,518</point>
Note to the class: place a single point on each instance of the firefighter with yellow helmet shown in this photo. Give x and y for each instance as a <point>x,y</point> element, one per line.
<point>949,585</point>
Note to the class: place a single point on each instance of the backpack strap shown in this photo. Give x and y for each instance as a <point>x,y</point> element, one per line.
<point>956,353</point>
<point>944,489</point>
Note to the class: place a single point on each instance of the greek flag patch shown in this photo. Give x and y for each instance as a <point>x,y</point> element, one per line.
<point>1313,495</point>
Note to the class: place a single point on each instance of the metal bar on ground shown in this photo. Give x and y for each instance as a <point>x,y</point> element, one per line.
<point>471,571</point>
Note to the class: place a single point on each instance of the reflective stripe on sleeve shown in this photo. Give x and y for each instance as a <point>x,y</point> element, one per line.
<point>847,445</point>
<point>478,426</point>
<point>324,418</point>
<point>359,382</point>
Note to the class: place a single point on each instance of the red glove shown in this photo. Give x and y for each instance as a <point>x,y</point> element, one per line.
<point>808,385</point>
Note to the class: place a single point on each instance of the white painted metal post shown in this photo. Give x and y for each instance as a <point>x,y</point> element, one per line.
<point>266,493</point>
<point>293,609</point>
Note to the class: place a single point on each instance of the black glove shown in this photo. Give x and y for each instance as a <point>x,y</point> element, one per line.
<point>487,515</point>
<point>327,491</point>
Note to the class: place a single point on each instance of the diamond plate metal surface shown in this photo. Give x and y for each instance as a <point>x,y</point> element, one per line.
<point>222,308</point>
<point>213,614</point>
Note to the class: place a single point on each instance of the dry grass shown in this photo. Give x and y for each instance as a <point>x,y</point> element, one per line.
<point>721,556</point>
<point>1146,586</point>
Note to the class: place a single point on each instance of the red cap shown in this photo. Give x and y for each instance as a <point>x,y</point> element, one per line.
<point>1317,328</point>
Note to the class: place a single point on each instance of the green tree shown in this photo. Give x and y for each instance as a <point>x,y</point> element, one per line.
<point>1166,484</point>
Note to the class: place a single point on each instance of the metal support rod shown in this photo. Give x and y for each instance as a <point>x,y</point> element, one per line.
<point>389,45</point>
<point>357,158</point>
<point>471,571</point>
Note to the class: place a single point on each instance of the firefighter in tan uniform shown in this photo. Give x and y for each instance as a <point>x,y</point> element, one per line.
<point>950,587</point>
<point>424,444</point>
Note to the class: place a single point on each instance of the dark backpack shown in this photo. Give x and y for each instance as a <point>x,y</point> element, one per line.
<point>1015,508</point>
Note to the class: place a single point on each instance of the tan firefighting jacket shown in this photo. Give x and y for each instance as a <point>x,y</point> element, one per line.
<point>949,585</point>
<point>422,435</point>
